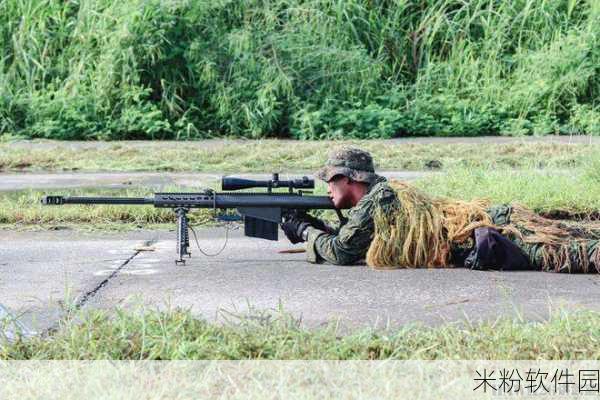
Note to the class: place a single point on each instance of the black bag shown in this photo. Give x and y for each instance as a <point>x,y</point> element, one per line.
<point>494,251</point>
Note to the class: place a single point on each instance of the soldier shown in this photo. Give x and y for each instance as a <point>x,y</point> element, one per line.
<point>352,183</point>
<point>450,233</point>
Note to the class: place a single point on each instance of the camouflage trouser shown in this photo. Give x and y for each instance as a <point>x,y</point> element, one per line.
<point>590,246</point>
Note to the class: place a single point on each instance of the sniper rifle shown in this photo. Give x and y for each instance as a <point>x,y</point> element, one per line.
<point>261,212</point>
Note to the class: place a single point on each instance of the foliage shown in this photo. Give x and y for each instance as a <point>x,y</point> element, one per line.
<point>104,69</point>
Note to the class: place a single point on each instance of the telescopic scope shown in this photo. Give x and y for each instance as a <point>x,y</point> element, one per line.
<point>232,183</point>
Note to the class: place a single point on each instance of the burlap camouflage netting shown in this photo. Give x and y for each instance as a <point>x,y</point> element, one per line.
<point>420,232</point>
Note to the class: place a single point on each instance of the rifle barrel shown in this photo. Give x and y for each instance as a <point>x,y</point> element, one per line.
<point>204,200</point>
<point>57,200</point>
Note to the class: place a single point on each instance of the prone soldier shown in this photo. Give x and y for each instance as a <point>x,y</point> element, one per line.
<point>503,237</point>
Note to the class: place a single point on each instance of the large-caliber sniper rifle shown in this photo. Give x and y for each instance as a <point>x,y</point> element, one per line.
<point>261,211</point>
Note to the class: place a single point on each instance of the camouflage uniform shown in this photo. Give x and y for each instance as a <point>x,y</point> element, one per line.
<point>349,243</point>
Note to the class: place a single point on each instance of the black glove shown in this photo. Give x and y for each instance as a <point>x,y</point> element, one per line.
<point>314,222</point>
<point>293,229</point>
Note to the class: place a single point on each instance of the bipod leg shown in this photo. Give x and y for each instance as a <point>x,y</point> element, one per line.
<point>183,237</point>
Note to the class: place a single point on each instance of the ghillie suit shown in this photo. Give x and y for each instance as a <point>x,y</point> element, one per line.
<point>421,231</point>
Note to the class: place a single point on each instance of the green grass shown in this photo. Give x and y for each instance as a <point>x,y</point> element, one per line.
<point>176,334</point>
<point>113,226</point>
<point>108,69</point>
<point>285,156</point>
<point>573,193</point>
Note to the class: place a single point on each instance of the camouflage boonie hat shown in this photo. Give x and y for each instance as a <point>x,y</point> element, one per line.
<point>352,162</point>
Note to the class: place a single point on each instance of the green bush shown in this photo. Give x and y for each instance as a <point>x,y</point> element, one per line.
<point>154,69</point>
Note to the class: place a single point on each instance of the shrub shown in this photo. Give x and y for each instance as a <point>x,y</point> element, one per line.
<point>308,69</point>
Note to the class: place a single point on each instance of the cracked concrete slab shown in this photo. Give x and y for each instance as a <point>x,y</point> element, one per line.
<point>37,268</point>
<point>42,273</point>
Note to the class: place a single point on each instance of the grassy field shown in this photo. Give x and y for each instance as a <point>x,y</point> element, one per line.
<point>572,193</point>
<point>285,156</point>
<point>176,334</point>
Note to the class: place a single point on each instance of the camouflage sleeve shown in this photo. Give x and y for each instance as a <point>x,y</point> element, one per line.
<point>332,228</point>
<point>351,243</point>
<point>347,247</point>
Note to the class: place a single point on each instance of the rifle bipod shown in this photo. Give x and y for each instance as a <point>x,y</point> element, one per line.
<point>183,235</point>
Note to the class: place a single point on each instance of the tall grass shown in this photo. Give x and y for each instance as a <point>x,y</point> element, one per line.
<point>107,69</point>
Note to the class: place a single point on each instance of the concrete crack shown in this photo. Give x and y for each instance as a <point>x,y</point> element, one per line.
<point>87,296</point>
<point>91,293</point>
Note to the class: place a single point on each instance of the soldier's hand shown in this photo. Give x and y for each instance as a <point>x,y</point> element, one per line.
<point>315,222</point>
<point>293,229</point>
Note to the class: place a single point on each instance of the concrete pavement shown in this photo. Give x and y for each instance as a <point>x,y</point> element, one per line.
<point>40,271</point>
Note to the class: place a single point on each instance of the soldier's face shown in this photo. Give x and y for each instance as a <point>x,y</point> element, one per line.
<point>340,192</point>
